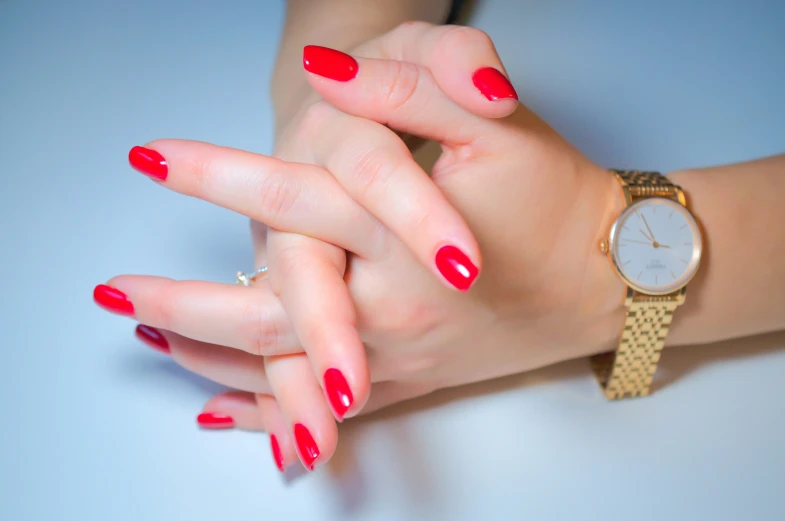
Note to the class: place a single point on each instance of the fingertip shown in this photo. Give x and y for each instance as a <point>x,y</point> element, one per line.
<point>456,267</point>
<point>493,84</point>
<point>148,161</point>
<point>329,63</point>
<point>233,409</point>
<point>153,338</point>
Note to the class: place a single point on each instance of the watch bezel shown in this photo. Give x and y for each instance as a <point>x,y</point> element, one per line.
<point>697,246</point>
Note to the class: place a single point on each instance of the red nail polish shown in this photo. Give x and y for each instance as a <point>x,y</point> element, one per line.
<point>338,392</point>
<point>493,84</point>
<point>113,300</point>
<point>149,162</point>
<point>153,338</point>
<point>277,456</point>
<point>212,420</point>
<point>456,267</point>
<point>329,63</point>
<point>306,446</point>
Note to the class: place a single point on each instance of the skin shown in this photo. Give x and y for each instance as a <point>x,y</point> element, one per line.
<point>546,293</point>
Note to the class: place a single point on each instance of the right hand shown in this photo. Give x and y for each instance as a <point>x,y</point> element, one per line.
<point>535,204</point>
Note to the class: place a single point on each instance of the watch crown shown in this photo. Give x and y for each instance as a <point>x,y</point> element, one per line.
<point>604,246</point>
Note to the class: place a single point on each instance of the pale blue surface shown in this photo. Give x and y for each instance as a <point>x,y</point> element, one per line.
<point>94,426</point>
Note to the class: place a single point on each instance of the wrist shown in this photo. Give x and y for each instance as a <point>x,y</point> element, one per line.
<point>604,292</point>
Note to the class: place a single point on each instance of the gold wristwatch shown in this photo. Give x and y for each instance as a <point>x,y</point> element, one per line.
<point>655,247</point>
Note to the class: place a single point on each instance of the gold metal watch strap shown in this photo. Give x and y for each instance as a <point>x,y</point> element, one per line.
<point>646,184</point>
<point>629,371</point>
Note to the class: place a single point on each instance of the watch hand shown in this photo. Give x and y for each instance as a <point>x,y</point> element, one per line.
<point>645,235</point>
<point>647,227</point>
<point>637,242</point>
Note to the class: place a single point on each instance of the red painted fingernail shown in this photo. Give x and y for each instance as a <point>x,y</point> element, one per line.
<point>338,392</point>
<point>329,63</point>
<point>493,84</point>
<point>153,338</point>
<point>456,267</point>
<point>277,456</point>
<point>212,420</point>
<point>113,300</point>
<point>306,446</point>
<point>149,162</point>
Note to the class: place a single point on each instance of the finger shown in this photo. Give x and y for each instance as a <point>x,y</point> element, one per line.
<point>286,196</point>
<point>399,94</point>
<point>281,441</point>
<point>220,364</point>
<point>377,170</point>
<point>464,63</point>
<point>308,276</point>
<point>251,319</point>
<point>251,412</point>
<point>229,410</point>
<point>307,415</point>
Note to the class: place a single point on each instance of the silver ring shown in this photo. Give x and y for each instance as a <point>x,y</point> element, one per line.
<point>247,279</point>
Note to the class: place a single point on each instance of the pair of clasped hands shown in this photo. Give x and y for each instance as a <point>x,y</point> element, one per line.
<point>377,291</point>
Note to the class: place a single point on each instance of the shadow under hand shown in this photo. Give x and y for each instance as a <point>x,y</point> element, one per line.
<point>678,362</point>
<point>142,367</point>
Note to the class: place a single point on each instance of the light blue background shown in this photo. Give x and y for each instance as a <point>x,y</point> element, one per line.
<point>94,426</point>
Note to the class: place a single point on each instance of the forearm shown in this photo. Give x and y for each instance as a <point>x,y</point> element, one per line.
<point>340,24</point>
<point>740,287</point>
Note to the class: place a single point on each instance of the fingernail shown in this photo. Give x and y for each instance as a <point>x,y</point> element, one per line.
<point>212,420</point>
<point>277,456</point>
<point>493,84</point>
<point>332,64</point>
<point>456,267</point>
<point>113,300</point>
<point>153,338</point>
<point>306,446</point>
<point>338,392</point>
<point>149,162</point>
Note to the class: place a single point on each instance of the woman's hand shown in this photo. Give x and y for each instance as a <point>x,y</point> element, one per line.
<point>534,203</point>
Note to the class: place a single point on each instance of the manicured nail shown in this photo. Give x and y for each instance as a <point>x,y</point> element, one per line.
<point>153,338</point>
<point>149,162</point>
<point>277,456</point>
<point>493,84</point>
<point>456,267</point>
<point>113,300</point>
<point>332,64</point>
<point>306,446</point>
<point>338,392</point>
<point>212,420</point>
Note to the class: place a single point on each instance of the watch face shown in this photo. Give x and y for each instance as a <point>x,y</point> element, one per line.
<point>656,246</point>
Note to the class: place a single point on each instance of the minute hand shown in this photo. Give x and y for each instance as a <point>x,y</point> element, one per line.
<point>647,227</point>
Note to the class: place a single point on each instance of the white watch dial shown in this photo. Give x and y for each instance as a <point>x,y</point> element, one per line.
<point>656,245</point>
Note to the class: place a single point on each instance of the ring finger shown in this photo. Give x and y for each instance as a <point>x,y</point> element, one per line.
<point>220,364</point>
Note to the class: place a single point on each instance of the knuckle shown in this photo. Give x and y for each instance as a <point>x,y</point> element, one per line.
<point>461,37</point>
<point>373,169</point>
<point>207,178</point>
<point>263,332</point>
<point>278,193</point>
<point>418,216</point>
<point>166,306</point>
<point>403,86</point>
<point>406,30</point>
